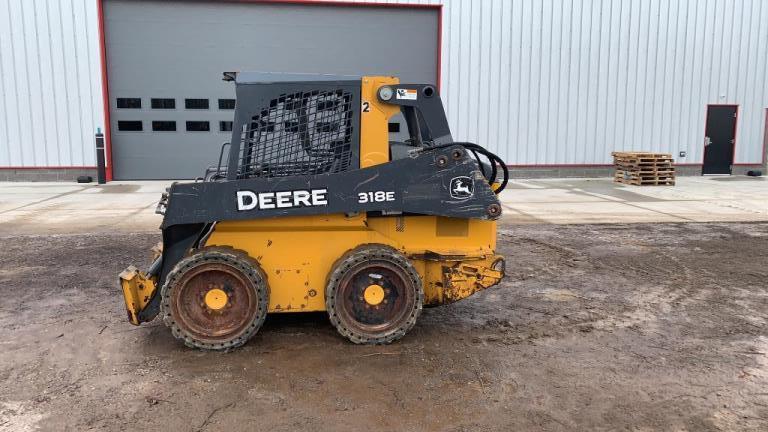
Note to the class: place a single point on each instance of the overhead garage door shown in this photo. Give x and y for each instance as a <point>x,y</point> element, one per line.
<point>170,111</point>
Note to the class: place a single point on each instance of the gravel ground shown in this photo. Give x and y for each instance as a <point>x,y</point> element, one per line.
<point>620,327</point>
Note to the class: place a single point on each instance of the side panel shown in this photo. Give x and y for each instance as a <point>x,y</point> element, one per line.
<point>440,182</point>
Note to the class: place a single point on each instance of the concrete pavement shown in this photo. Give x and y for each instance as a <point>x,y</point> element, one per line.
<point>692,199</point>
<point>60,208</point>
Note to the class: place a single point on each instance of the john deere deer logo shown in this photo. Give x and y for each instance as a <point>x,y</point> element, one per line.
<point>462,187</point>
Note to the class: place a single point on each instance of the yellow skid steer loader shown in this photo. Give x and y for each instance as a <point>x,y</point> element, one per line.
<point>313,208</point>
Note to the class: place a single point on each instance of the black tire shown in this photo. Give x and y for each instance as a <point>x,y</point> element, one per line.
<point>242,316</point>
<point>371,324</point>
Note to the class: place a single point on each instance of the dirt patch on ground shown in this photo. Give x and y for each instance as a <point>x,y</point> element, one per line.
<point>636,327</point>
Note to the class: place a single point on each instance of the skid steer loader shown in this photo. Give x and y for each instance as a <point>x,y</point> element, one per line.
<point>313,208</point>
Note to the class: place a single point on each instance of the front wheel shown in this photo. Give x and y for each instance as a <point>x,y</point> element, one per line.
<point>215,299</point>
<point>374,295</point>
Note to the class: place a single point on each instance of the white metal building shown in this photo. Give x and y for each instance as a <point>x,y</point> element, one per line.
<point>553,86</point>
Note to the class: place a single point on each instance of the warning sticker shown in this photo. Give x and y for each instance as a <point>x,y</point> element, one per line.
<point>408,94</point>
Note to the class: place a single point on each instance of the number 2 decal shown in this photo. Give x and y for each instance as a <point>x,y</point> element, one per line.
<point>366,106</point>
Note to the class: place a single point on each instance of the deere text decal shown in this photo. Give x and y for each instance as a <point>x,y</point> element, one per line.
<point>249,200</point>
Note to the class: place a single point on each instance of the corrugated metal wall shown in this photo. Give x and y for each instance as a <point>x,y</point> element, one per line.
<point>538,81</point>
<point>50,82</point>
<point>569,81</point>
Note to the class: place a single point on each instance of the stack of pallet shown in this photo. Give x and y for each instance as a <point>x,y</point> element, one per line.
<point>640,169</point>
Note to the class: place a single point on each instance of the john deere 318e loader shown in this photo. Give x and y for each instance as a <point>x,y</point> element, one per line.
<point>313,208</point>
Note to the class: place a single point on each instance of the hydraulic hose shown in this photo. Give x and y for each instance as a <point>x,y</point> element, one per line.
<point>492,158</point>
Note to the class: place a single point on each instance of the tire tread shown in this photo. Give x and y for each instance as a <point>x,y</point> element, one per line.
<point>366,253</point>
<point>228,255</point>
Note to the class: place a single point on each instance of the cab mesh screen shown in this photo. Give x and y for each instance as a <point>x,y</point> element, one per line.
<point>299,134</point>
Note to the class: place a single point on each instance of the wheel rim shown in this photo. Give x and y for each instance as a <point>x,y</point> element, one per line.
<point>366,309</point>
<point>214,302</point>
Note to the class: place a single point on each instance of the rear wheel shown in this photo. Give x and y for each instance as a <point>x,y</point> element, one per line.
<point>374,295</point>
<point>215,299</point>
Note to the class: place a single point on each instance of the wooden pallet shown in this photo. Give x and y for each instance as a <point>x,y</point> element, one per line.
<point>636,158</point>
<point>644,179</point>
<point>640,163</point>
<point>642,168</point>
<point>647,155</point>
<point>648,182</point>
<point>644,175</point>
<point>647,170</point>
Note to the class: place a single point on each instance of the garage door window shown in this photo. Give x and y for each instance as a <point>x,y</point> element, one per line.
<point>129,103</point>
<point>164,126</point>
<point>162,103</point>
<point>196,103</point>
<point>198,126</point>
<point>129,126</point>
<point>226,104</point>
